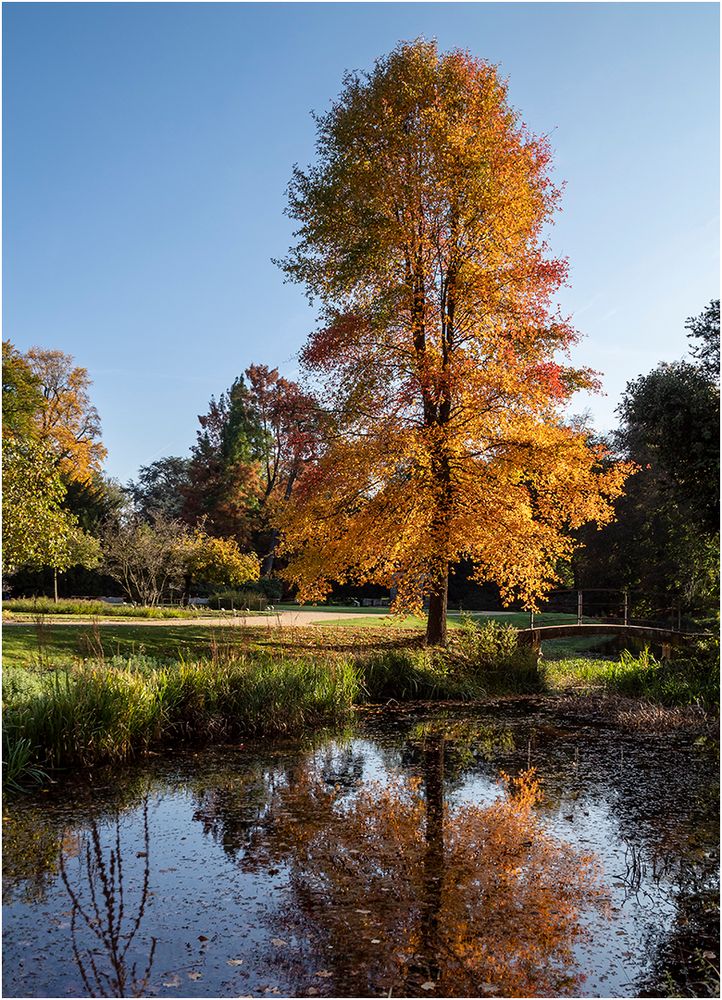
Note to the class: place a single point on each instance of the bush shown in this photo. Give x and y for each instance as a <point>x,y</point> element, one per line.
<point>490,644</point>
<point>407,674</point>
<point>239,600</point>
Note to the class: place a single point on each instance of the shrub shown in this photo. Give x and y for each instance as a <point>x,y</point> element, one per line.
<point>489,643</point>
<point>407,674</point>
<point>235,600</point>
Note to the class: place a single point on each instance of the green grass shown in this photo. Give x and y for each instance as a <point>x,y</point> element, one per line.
<point>687,680</point>
<point>51,643</point>
<point>32,645</point>
<point>377,618</point>
<point>90,609</point>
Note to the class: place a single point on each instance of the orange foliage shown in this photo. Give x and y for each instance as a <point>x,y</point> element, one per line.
<point>421,231</point>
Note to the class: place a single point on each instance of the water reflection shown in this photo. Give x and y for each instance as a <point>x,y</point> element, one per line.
<point>393,861</point>
<point>100,911</point>
<point>394,891</point>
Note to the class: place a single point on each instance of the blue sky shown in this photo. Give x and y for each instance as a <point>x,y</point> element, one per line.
<point>148,147</point>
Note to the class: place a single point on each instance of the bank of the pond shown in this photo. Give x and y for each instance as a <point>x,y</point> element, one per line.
<point>83,713</point>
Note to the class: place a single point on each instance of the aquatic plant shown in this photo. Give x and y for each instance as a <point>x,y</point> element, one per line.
<point>20,770</point>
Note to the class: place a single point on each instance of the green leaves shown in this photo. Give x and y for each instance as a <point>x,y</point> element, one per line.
<point>37,531</point>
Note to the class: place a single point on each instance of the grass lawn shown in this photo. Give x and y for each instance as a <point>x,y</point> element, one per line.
<point>47,644</point>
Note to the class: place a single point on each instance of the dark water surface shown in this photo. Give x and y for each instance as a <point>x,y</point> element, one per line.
<point>393,859</point>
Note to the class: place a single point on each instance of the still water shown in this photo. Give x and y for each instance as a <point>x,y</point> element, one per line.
<point>426,852</point>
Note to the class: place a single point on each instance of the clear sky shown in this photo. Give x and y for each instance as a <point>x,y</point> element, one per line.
<point>148,147</point>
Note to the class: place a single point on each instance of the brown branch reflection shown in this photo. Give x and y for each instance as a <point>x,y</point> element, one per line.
<point>400,895</point>
<point>99,905</point>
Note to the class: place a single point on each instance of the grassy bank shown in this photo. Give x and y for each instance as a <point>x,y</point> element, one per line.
<point>161,686</point>
<point>100,711</point>
<point>78,713</point>
<point>690,679</point>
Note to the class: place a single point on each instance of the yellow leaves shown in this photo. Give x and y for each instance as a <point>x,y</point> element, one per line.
<point>68,425</point>
<point>439,353</point>
<point>219,560</point>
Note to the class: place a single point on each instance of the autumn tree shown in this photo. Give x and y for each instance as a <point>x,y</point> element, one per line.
<point>420,230</point>
<point>68,424</point>
<point>150,557</point>
<point>253,443</point>
<point>54,488</point>
<point>291,429</point>
<point>216,561</point>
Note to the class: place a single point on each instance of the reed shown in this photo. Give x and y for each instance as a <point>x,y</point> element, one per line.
<point>102,711</point>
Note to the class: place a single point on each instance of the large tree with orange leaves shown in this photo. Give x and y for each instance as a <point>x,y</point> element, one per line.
<point>421,233</point>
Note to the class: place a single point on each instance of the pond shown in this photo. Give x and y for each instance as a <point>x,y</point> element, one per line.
<point>431,851</point>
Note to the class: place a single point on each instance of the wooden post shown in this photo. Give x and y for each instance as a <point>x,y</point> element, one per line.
<point>580,606</point>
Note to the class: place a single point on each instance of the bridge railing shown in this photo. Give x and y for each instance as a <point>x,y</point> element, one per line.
<point>609,606</point>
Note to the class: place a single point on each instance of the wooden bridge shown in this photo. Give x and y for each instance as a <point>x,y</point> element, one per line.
<point>664,637</point>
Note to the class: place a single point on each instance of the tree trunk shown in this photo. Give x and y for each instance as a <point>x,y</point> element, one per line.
<point>55,585</point>
<point>267,567</point>
<point>436,622</point>
<point>186,599</point>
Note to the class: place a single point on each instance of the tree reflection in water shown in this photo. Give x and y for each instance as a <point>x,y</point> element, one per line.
<point>398,892</point>
<point>99,905</point>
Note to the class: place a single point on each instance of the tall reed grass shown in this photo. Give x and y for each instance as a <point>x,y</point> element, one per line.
<point>101,712</point>
<point>685,680</point>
